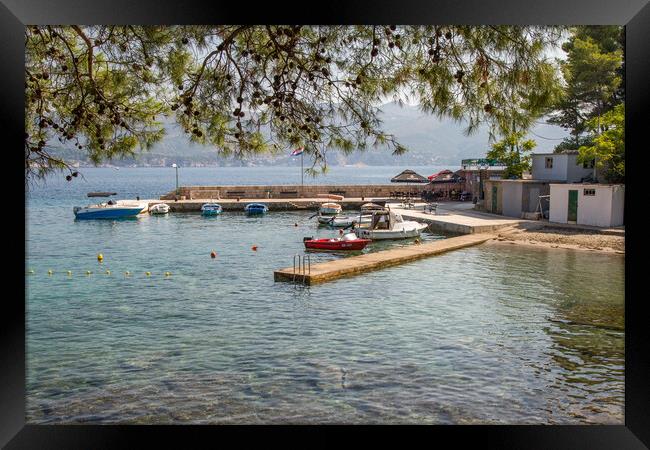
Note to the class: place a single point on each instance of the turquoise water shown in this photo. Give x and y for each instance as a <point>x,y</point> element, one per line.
<point>488,334</point>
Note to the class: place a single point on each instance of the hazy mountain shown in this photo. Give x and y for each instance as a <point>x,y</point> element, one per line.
<point>430,141</point>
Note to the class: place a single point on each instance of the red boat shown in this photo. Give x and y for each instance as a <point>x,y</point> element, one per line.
<point>349,241</point>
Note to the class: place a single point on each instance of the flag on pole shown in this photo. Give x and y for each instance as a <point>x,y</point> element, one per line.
<point>297,151</point>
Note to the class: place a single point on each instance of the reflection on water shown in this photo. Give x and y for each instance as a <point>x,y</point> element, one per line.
<point>488,334</point>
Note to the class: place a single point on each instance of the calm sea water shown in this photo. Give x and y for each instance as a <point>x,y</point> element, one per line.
<point>488,334</point>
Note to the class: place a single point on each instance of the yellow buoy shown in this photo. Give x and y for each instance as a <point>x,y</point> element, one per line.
<point>108,272</point>
<point>147,273</point>
<point>127,273</point>
<point>69,272</point>
<point>49,272</point>
<point>167,274</point>
<point>30,271</point>
<point>88,272</point>
<point>100,257</point>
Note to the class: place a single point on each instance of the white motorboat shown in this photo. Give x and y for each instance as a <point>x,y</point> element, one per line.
<point>330,209</point>
<point>159,208</point>
<point>109,210</point>
<point>386,224</point>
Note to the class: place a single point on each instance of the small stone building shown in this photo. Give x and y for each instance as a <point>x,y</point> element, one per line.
<point>516,198</point>
<point>600,205</point>
<point>560,167</point>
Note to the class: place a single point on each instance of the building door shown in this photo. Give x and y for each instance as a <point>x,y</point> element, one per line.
<point>494,199</point>
<point>572,215</point>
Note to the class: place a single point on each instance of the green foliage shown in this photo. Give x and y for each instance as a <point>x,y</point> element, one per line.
<point>592,74</point>
<point>513,151</point>
<point>608,146</point>
<point>93,87</point>
<point>252,89</point>
<point>571,143</point>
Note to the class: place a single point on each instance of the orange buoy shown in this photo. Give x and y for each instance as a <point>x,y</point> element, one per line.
<point>254,248</point>
<point>213,254</point>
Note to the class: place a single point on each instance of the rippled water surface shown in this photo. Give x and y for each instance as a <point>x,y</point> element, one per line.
<point>488,334</point>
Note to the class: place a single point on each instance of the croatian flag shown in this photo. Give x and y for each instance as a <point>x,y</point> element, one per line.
<point>298,151</point>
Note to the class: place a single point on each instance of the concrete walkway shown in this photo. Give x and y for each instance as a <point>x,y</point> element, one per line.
<point>372,261</point>
<point>453,218</point>
<point>460,217</point>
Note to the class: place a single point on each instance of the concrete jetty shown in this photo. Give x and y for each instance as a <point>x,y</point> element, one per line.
<point>355,265</point>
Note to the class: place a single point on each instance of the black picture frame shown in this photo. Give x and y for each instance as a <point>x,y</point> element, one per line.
<point>634,14</point>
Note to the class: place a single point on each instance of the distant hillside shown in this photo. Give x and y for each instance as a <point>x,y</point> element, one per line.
<point>429,139</point>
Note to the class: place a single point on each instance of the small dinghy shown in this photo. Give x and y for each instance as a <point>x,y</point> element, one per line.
<point>331,209</point>
<point>101,194</point>
<point>344,221</point>
<point>211,209</point>
<point>362,220</point>
<point>109,210</point>
<point>256,208</point>
<point>348,241</point>
<point>159,208</point>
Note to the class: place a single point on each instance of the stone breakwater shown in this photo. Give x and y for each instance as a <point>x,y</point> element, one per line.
<point>291,191</point>
<point>273,204</point>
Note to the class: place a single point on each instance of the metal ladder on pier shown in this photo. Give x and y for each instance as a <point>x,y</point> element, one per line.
<point>302,268</point>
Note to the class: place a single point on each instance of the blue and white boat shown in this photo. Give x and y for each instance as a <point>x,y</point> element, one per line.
<point>109,210</point>
<point>211,209</point>
<point>256,208</point>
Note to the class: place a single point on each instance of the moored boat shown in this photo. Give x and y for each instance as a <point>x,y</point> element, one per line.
<point>368,208</point>
<point>109,210</point>
<point>344,221</point>
<point>101,194</point>
<point>348,241</point>
<point>211,209</point>
<point>159,208</point>
<point>256,208</point>
<point>331,209</point>
<point>388,225</point>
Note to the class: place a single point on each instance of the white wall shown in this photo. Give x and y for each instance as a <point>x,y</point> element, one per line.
<point>618,205</point>
<point>594,210</point>
<point>557,173</point>
<point>511,198</point>
<point>559,203</point>
<point>575,171</point>
<point>605,209</point>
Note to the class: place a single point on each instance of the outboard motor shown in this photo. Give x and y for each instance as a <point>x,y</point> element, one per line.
<point>307,238</point>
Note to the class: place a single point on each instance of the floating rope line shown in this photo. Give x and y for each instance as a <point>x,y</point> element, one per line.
<point>127,273</point>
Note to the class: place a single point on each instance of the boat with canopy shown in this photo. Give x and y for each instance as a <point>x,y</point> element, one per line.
<point>386,224</point>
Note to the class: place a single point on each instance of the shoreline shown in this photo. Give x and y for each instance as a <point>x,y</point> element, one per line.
<point>552,238</point>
